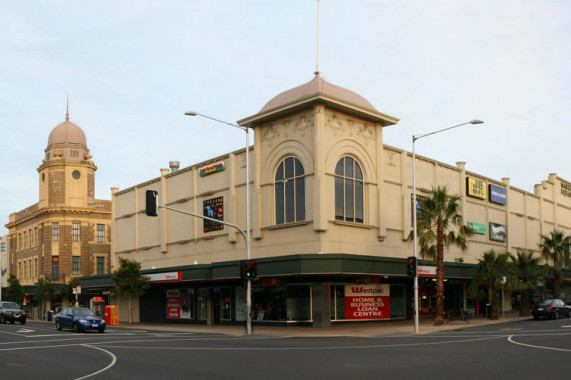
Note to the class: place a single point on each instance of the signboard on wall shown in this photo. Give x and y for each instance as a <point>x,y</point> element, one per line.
<point>167,276</point>
<point>498,232</point>
<point>498,195</point>
<point>476,188</point>
<point>210,169</point>
<point>478,228</point>
<point>370,301</point>
<point>179,303</point>
<point>213,208</point>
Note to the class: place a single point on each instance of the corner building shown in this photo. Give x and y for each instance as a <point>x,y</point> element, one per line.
<point>67,233</point>
<point>331,209</point>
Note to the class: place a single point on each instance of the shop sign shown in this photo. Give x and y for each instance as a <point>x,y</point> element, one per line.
<point>476,188</point>
<point>213,208</point>
<point>179,303</point>
<point>498,232</point>
<point>426,271</point>
<point>478,228</point>
<point>168,276</point>
<point>210,169</point>
<point>367,301</point>
<point>498,195</point>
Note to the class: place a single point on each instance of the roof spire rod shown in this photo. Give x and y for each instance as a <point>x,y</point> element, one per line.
<point>67,109</point>
<point>317,65</point>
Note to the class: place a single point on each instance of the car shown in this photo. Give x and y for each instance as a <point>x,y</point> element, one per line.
<point>551,308</point>
<point>79,319</point>
<point>11,312</point>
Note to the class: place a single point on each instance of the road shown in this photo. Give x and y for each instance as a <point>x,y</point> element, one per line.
<point>521,350</point>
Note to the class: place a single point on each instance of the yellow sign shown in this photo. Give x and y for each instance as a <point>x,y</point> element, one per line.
<point>476,188</point>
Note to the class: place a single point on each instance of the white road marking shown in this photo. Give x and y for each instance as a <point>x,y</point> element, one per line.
<point>113,361</point>
<point>510,339</point>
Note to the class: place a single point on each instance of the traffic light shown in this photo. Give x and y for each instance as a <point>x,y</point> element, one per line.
<point>411,266</point>
<point>152,204</point>
<point>248,270</point>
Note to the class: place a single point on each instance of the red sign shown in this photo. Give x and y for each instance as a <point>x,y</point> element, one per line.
<point>367,301</point>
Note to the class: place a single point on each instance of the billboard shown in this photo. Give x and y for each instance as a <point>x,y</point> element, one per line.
<point>213,208</point>
<point>498,232</point>
<point>476,188</point>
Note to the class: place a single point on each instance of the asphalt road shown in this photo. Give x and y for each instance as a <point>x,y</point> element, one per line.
<point>522,350</point>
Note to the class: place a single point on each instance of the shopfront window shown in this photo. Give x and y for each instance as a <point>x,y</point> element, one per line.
<point>281,303</point>
<point>202,303</point>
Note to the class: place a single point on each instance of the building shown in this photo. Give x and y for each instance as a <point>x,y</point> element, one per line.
<point>331,209</point>
<point>66,234</point>
<point>4,261</point>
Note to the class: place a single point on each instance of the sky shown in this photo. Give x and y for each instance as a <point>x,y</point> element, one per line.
<point>132,68</point>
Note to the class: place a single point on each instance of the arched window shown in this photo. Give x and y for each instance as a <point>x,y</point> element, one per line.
<point>290,191</point>
<point>349,197</point>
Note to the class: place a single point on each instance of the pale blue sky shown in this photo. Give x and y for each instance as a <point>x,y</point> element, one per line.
<point>132,68</point>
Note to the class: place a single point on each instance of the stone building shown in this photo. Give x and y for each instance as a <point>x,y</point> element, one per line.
<point>66,234</point>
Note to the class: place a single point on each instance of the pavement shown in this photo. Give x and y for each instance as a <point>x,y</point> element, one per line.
<point>392,328</point>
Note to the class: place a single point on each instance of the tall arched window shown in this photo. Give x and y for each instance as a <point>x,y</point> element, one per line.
<point>290,191</point>
<point>349,197</point>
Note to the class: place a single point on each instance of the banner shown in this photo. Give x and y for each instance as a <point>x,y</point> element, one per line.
<point>367,301</point>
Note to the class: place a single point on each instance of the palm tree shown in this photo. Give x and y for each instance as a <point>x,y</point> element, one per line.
<point>490,271</point>
<point>440,226</point>
<point>555,249</point>
<point>527,274</point>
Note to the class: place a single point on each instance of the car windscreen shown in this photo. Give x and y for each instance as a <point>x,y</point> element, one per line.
<point>83,312</point>
<point>10,305</point>
<point>546,303</point>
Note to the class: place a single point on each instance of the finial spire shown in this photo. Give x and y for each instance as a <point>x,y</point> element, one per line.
<point>67,109</point>
<point>317,65</point>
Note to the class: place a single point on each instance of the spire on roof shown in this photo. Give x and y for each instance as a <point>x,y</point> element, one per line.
<point>67,109</point>
<point>317,65</point>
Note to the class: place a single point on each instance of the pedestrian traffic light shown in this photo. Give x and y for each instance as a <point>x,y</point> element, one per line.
<point>152,203</point>
<point>411,266</point>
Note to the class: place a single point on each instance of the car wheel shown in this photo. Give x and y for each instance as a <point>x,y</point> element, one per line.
<point>58,326</point>
<point>556,315</point>
<point>12,321</point>
<point>536,317</point>
<point>101,331</point>
<point>2,319</point>
<point>75,329</point>
<point>23,321</point>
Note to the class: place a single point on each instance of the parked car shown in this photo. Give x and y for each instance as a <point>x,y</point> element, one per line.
<point>553,308</point>
<point>10,311</point>
<point>79,319</point>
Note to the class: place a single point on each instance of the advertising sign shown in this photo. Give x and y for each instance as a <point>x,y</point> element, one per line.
<point>498,195</point>
<point>426,271</point>
<point>478,228</point>
<point>213,208</point>
<point>173,303</point>
<point>476,188</point>
<point>367,301</point>
<point>169,276</point>
<point>210,169</point>
<point>498,232</point>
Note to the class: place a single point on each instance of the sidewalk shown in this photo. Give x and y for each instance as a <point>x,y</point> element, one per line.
<point>401,328</point>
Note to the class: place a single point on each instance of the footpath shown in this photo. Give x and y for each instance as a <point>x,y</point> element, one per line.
<point>390,328</point>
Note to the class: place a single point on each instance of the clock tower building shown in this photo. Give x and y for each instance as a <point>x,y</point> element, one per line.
<point>66,234</point>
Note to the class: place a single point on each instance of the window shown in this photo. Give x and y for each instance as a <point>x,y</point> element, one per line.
<point>101,233</point>
<point>76,265</point>
<point>349,186</point>
<point>55,231</point>
<point>290,191</point>
<point>25,240</point>
<point>75,231</point>
<point>35,268</point>
<point>55,271</point>
<point>100,265</point>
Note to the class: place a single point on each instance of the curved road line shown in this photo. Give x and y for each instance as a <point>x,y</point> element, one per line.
<point>113,361</point>
<point>510,339</point>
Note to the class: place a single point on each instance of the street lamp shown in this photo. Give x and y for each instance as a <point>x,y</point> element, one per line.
<point>414,230</point>
<point>249,281</point>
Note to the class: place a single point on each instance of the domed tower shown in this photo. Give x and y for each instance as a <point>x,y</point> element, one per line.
<point>67,173</point>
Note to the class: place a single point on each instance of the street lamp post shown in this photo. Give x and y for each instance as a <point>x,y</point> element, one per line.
<point>414,228</point>
<point>249,281</point>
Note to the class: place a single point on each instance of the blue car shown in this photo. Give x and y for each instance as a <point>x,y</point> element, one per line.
<point>79,319</point>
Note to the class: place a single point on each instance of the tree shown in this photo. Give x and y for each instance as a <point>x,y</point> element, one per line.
<point>555,250</point>
<point>489,271</point>
<point>45,291</point>
<point>440,227</point>
<point>14,291</point>
<point>129,281</point>
<point>526,276</point>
